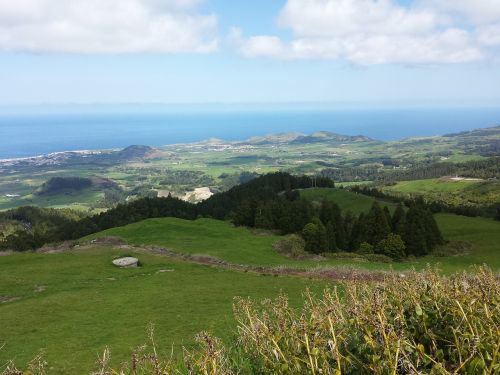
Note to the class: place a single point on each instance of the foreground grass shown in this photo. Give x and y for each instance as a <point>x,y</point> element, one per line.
<point>74,304</point>
<point>417,323</point>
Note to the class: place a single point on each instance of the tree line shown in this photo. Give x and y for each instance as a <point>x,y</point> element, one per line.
<point>271,202</point>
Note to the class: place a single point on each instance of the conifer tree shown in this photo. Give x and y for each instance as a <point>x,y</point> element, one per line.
<point>330,237</point>
<point>398,220</point>
<point>376,226</point>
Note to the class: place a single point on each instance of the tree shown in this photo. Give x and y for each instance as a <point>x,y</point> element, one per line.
<point>392,246</point>
<point>330,237</point>
<point>365,248</point>
<point>264,216</point>
<point>398,220</point>
<point>376,226</point>
<point>314,235</point>
<point>497,216</point>
<point>387,216</point>
<point>421,233</point>
<point>358,233</point>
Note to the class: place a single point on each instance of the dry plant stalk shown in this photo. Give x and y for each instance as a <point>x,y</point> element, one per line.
<point>420,324</point>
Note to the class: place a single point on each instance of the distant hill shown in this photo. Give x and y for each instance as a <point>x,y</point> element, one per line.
<point>324,136</point>
<point>58,185</point>
<point>299,138</point>
<point>482,132</point>
<point>274,139</point>
<point>134,152</point>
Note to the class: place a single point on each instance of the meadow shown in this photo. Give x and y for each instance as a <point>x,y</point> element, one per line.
<point>72,305</point>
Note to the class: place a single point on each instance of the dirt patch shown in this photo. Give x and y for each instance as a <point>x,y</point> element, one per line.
<point>457,178</point>
<point>39,288</point>
<point>57,248</point>
<point>198,195</point>
<point>109,241</point>
<point>5,253</point>
<point>6,299</point>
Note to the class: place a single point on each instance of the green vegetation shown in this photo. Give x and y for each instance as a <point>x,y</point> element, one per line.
<point>222,240</point>
<point>345,199</point>
<point>74,304</point>
<point>139,171</point>
<point>203,236</point>
<point>418,322</point>
<point>58,185</point>
<point>469,193</point>
<point>404,325</point>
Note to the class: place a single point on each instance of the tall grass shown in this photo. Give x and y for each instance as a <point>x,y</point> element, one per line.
<point>420,324</point>
<point>417,323</point>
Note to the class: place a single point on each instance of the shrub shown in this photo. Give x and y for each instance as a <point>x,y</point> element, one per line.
<point>365,248</point>
<point>291,246</point>
<point>420,323</point>
<point>392,246</point>
<point>381,258</point>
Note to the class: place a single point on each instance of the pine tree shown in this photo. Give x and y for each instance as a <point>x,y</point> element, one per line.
<point>388,217</point>
<point>358,233</point>
<point>398,220</point>
<point>376,226</point>
<point>330,237</point>
<point>497,216</point>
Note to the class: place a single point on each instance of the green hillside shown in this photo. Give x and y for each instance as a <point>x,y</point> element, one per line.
<point>74,304</point>
<point>346,200</point>
<point>462,192</point>
<point>203,236</point>
<point>241,246</point>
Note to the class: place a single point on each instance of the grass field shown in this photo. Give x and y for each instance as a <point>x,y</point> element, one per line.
<point>346,200</point>
<point>431,186</point>
<point>203,236</point>
<point>74,304</point>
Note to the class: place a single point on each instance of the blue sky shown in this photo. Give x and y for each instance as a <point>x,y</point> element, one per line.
<point>340,52</point>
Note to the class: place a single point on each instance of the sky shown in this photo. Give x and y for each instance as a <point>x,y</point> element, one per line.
<point>336,52</point>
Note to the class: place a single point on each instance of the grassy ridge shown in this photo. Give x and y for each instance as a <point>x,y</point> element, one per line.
<point>74,304</point>
<point>346,200</point>
<point>240,245</point>
<point>202,236</point>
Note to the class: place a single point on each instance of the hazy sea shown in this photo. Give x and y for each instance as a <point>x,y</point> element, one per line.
<point>31,134</point>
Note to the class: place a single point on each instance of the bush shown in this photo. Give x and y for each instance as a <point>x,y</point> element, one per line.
<point>391,246</point>
<point>291,246</point>
<point>365,248</point>
<point>381,258</point>
<point>420,323</point>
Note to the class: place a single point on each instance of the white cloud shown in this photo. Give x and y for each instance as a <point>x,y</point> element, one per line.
<point>106,26</point>
<point>381,32</point>
<point>330,18</point>
<point>489,35</point>
<point>472,11</point>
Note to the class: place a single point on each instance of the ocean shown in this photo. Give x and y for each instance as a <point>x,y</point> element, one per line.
<point>30,134</point>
